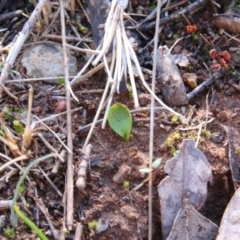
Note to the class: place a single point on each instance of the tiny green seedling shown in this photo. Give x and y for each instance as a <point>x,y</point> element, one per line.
<point>22,188</point>
<point>30,223</point>
<point>18,127</point>
<point>206,133</point>
<point>155,165</point>
<point>9,233</point>
<point>171,141</point>
<point>93,225</point>
<point>175,118</point>
<point>61,81</point>
<point>120,120</point>
<point>129,87</point>
<point>126,185</point>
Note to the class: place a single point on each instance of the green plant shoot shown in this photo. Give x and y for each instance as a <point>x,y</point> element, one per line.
<point>18,127</point>
<point>9,232</point>
<point>120,120</point>
<point>29,222</point>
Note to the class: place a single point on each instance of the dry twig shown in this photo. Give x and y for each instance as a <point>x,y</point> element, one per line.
<point>69,185</point>
<point>81,181</point>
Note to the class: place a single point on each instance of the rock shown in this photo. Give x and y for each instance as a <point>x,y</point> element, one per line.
<point>123,171</point>
<point>223,116</point>
<point>46,60</point>
<point>190,79</point>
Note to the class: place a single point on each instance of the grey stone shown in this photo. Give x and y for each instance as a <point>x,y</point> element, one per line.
<point>46,60</point>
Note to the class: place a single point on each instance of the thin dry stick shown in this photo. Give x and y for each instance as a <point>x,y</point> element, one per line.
<point>44,210</point>
<point>46,13</point>
<point>72,6</point>
<point>78,232</point>
<point>84,10</point>
<point>23,157</point>
<point>49,146</point>
<point>53,20</point>
<point>152,122</point>
<point>97,114</point>
<point>69,185</point>
<point>58,138</point>
<point>84,50</point>
<point>8,92</point>
<point>27,28</point>
<point>80,77</point>
<point>50,182</point>
<point>196,127</point>
<point>36,79</point>
<point>69,38</point>
<point>82,169</point>
<point>27,136</point>
<point>55,116</point>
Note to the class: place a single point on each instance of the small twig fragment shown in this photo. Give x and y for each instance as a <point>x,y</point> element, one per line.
<point>82,169</point>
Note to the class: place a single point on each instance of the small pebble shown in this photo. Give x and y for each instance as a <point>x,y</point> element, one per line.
<point>190,79</point>
<point>223,116</point>
<point>122,173</point>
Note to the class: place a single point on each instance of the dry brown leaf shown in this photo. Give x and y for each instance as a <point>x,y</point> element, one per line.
<point>169,77</point>
<point>190,224</point>
<point>230,223</point>
<point>188,174</point>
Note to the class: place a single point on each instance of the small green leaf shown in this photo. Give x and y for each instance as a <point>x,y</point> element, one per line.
<point>61,81</point>
<point>175,118</point>
<point>8,114</point>
<point>2,133</point>
<point>18,127</point>
<point>9,232</point>
<point>145,170</point>
<point>120,120</point>
<point>156,163</point>
<point>93,225</point>
<point>126,185</point>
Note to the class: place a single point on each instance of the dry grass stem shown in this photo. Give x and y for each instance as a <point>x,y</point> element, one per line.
<point>84,50</point>
<point>68,38</point>
<point>58,138</point>
<point>27,136</point>
<point>72,7</point>
<point>50,181</point>
<point>23,157</point>
<point>69,185</point>
<point>36,79</point>
<point>49,146</point>
<point>54,116</point>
